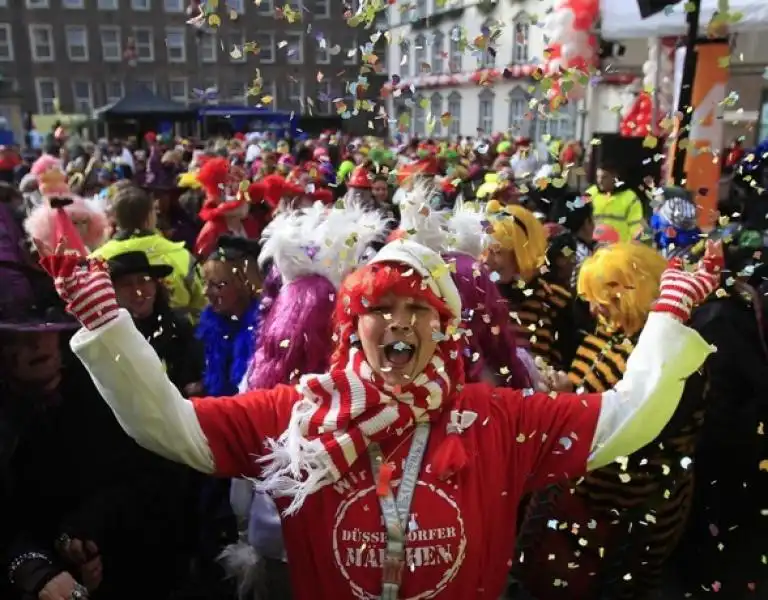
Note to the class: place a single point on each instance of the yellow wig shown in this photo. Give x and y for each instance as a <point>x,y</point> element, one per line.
<point>623,279</point>
<point>517,229</point>
<point>189,180</point>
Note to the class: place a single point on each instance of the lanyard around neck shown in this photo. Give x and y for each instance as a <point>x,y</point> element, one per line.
<point>396,511</point>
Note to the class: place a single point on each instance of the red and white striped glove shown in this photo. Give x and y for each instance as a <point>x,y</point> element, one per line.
<point>85,287</point>
<point>680,290</point>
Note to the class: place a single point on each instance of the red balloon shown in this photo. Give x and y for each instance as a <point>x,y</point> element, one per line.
<point>583,22</point>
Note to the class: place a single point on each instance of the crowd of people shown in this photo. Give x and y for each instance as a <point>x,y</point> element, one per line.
<point>342,368</point>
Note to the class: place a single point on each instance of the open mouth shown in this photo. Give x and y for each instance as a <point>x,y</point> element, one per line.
<point>399,354</point>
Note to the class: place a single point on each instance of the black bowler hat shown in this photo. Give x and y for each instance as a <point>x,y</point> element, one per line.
<point>132,263</point>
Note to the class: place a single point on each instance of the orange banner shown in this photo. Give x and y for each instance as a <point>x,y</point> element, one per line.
<point>705,140</point>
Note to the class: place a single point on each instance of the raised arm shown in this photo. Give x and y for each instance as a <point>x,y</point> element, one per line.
<point>588,431</point>
<point>212,435</point>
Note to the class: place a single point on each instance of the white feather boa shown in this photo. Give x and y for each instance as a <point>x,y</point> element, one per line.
<point>467,229</point>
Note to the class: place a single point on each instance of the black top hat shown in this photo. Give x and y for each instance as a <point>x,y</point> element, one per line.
<point>136,262</point>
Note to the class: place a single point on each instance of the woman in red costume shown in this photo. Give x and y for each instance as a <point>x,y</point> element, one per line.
<point>396,479</point>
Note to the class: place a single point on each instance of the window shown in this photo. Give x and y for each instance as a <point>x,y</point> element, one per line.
<point>141,4</point>
<point>145,44</point>
<point>208,93</point>
<point>420,117</point>
<point>325,97</point>
<point>436,109</point>
<point>322,9</point>
<point>177,89</point>
<point>518,108</point>
<point>323,53</point>
<point>147,83</point>
<point>207,48</point>
<point>6,43</point>
<point>73,3</point>
<point>236,46</point>
<point>77,43</point>
<point>37,3</point>
<point>82,97</point>
<point>352,51</point>
<point>454,109</point>
<point>237,92</point>
<point>47,92</point>
<point>176,44</point>
<point>267,7</point>
<point>295,47</point>
<point>486,58</point>
<point>404,68</point>
<point>438,53</point>
<point>237,5</point>
<point>174,6</point>
<point>521,42</point>
<point>107,5</point>
<point>296,95</point>
<point>111,44</point>
<point>419,55</point>
<point>268,91</point>
<point>41,41</point>
<point>559,124</point>
<point>113,91</point>
<point>455,51</point>
<point>421,9</point>
<point>266,42</point>
<point>485,120</point>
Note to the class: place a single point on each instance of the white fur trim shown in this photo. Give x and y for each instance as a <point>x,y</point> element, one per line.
<point>429,265</point>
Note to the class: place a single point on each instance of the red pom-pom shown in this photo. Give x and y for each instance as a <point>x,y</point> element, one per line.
<point>450,457</point>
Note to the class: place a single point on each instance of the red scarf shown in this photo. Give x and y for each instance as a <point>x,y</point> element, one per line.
<point>341,414</point>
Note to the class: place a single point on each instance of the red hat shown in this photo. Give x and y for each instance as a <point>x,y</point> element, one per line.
<point>605,234</point>
<point>150,137</point>
<point>239,136</point>
<point>361,179</point>
<point>428,166</point>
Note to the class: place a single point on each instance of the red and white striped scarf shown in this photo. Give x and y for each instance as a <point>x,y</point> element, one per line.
<point>340,414</point>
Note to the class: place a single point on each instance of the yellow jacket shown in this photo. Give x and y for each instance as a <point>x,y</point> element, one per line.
<point>184,283</point>
<point>622,210</point>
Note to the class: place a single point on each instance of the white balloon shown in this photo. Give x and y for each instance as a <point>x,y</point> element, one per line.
<point>570,51</point>
<point>557,34</point>
<point>649,81</point>
<point>564,18</point>
<point>649,68</point>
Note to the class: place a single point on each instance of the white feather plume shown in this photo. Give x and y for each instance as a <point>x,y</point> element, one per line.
<point>344,238</point>
<point>286,241</point>
<point>467,229</point>
<point>318,240</point>
<point>243,564</point>
<point>421,222</point>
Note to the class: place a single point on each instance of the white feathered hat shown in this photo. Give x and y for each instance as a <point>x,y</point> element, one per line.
<point>319,240</point>
<point>420,222</point>
<point>468,229</point>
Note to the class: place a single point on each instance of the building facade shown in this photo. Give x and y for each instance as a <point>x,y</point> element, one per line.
<point>72,56</point>
<point>440,69</point>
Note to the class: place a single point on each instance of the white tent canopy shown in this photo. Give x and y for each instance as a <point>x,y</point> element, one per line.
<point>621,18</point>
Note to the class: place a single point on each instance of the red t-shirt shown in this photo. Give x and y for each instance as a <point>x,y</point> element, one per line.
<point>463,540</point>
